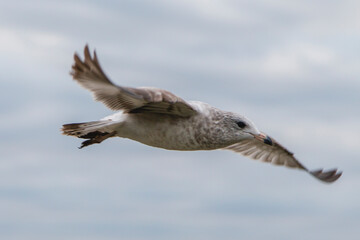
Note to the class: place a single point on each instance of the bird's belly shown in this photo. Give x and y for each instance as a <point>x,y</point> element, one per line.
<point>166,137</point>
<point>167,133</point>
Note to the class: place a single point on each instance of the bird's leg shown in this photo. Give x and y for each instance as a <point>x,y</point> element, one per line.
<point>97,139</point>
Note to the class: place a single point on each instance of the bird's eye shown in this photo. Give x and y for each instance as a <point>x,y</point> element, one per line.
<point>241,124</point>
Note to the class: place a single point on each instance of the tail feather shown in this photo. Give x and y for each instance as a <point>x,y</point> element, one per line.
<point>84,130</point>
<point>88,130</point>
<point>96,131</point>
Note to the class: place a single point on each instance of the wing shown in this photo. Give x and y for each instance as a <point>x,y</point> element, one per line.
<point>278,155</point>
<point>88,74</point>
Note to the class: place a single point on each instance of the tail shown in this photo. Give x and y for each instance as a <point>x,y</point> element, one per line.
<point>96,131</point>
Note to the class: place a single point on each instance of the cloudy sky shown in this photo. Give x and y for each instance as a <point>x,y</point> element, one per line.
<point>290,66</point>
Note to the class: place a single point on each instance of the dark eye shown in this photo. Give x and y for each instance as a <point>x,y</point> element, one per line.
<point>241,124</point>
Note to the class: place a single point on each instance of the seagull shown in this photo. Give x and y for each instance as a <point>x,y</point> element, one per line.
<point>159,118</point>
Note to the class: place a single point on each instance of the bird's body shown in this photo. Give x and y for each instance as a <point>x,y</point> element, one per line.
<point>206,130</point>
<point>158,118</point>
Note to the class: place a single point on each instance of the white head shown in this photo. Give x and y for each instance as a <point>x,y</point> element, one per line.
<point>242,128</point>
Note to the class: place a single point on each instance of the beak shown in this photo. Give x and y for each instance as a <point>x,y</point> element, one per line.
<point>264,138</point>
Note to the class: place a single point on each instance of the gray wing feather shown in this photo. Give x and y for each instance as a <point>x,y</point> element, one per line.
<point>278,155</point>
<point>89,74</point>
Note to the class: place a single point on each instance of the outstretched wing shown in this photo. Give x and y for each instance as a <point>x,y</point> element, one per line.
<point>88,73</point>
<point>278,155</point>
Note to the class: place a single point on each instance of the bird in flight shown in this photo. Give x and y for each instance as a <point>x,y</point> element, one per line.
<point>158,118</point>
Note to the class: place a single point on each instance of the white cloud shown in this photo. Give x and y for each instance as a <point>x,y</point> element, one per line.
<point>213,10</point>
<point>29,41</point>
<point>295,60</point>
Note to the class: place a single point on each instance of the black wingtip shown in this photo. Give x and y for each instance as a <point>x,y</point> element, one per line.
<point>328,176</point>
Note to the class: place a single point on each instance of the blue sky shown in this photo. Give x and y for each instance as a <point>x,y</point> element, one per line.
<point>292,67</point>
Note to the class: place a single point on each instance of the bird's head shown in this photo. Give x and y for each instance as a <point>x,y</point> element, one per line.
<point>244,128</point>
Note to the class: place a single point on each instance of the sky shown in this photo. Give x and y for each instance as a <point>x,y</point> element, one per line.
<point>292,67</point>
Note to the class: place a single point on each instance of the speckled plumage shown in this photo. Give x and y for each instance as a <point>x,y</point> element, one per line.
<point>206,130</point>
<point>159,118</point>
